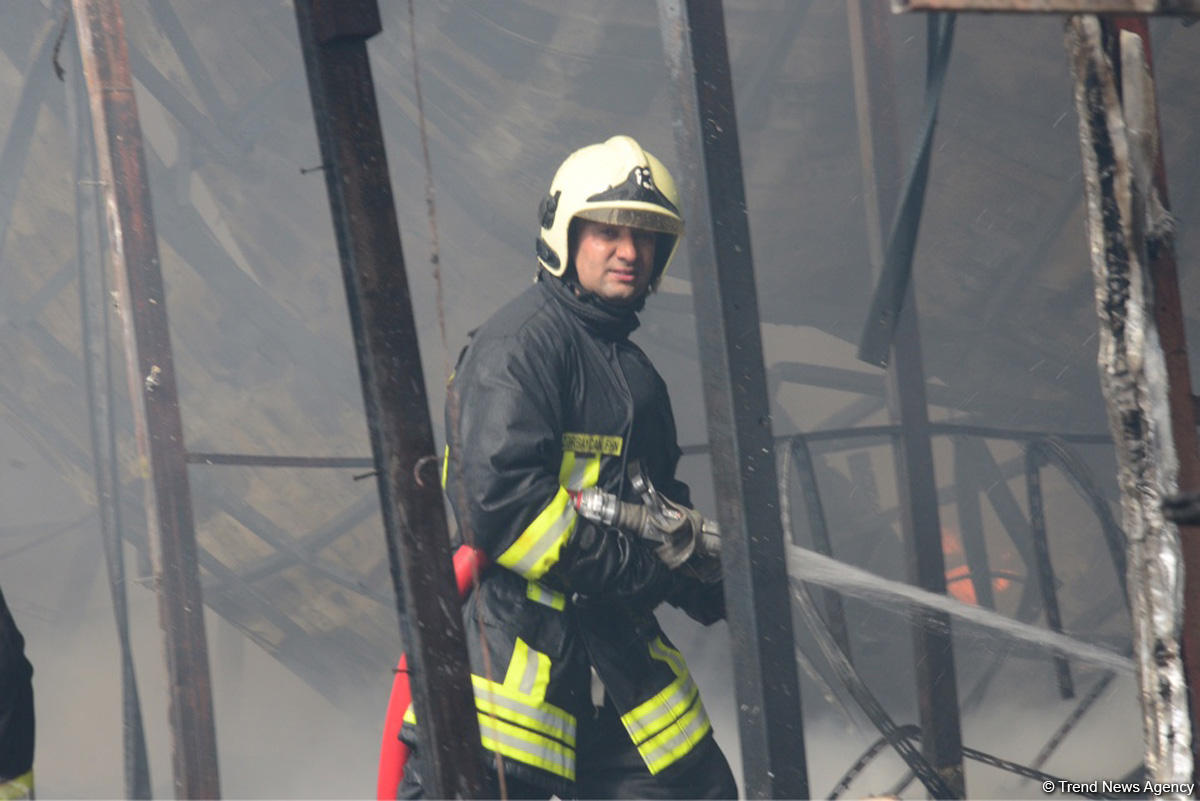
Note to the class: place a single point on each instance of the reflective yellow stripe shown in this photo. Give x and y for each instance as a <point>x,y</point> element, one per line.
<point>576,473</point>
<point>673,720</point>
<point>528,671</point>
<point>18,788</point>
<point>526,746</point>
<point>445,465</point>
<point>521,698</point>
<point>545,596</point>
<point>673,742</point>
<point>538,547</point>
<point>664,653</point>
<point>661,710</point>
<point>495,700</point>
<point>516,720</point>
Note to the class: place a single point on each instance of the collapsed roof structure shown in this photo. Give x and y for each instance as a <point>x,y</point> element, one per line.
<point>289,546</point>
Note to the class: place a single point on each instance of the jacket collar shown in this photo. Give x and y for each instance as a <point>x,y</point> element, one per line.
<point>598,316</point>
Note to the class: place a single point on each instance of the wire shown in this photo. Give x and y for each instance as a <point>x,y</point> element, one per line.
<point>430,200</point>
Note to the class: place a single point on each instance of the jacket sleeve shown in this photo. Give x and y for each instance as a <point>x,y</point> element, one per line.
<point>505,420</point>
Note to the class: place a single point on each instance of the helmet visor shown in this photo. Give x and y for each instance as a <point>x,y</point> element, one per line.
<point>635,218</point>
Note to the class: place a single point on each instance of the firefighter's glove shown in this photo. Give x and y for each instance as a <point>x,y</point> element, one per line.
<point>682,533</point>
<point>703,566</point>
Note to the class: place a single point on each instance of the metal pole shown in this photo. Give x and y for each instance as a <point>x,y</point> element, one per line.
<point>806,475</point>
<point>735,396</point>
<point>133,252</point>
<point>1034,459</point>
<point>1133,375</point>
<point>970,526</point>
<point>333,37</point>
<point>94,302</point>
<point>941,736</point>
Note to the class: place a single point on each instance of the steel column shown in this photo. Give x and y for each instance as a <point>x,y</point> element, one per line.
<point>133,252</point>
<point>1034,459</point>
<point>806,474</point>
<point>333,37</point>
<point>941,737</point>
<point>735,396</point>
<point>970,527</point>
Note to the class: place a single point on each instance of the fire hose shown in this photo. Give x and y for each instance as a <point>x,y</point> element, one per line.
<point>679,531</point>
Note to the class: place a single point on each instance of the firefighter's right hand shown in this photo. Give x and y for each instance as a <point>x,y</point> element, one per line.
<point>686,537</point>
<point>704,567</point>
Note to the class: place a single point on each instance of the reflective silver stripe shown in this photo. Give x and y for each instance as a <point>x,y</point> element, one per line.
<point>662,710</point>
<point>553,537</point>
<point>537,548</point>
<point>673,742</point>
<point>526,746</point>
<point>546,720</point>
<point>579,471</point>
<point>529,676</point>
<point>575,478</point>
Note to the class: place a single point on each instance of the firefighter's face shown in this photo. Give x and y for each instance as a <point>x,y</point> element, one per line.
<point>614,261</point>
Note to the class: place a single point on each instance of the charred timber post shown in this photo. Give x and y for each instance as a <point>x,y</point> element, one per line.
<point>98,389</point>
<point>1168,318</point>
<point>333,37</point>
<point>735,396</point>
<point>133,254</point>
<point>1117,162</point>
<point>937,686</point>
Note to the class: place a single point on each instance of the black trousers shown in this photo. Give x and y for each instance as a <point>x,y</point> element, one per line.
<point>608,765</point>
<point>16,700</point>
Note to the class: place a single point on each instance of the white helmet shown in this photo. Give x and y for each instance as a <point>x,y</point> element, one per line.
<point>616,182</point>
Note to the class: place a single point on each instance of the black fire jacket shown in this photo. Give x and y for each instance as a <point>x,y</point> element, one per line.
<point>551,395</point>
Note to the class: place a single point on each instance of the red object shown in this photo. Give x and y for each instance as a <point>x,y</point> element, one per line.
<point>468,562</point>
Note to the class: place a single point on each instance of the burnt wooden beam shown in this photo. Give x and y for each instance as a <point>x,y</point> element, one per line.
<point>1117,138</point>
<point>1141,111</point>
<point>94,302</point>
<point>133,257</point>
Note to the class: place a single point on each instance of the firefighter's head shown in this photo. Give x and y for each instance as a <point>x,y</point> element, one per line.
<point>611,220</point>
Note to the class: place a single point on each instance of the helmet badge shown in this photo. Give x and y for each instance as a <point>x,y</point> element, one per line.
<point>638,186</point>
<point>643,178</point>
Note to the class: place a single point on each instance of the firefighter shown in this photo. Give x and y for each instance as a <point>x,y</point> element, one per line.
<point>580,693</point>
<point>16,711</point>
